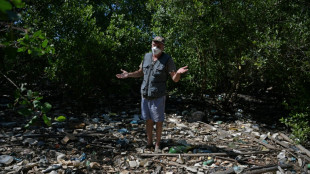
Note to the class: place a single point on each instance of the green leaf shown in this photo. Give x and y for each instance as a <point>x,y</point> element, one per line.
<point>22,49</point>
<point>38,98</point>
<point>37,33</point>
<point>22,88</point>
<point>5,6</point>
<point>46,107</point>
<point>33,120</point>
<point>60,118</point>
<point>24,102</point>
<point>47,120</point>
<point>29,51</point>
<point>44,44</point>
<point>29,94</point>
<point>25,112</point>
<point>36,103</point>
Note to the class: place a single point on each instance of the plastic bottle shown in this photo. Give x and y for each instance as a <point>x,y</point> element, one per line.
<point>87,164</point>
<point>281,157</point>
<point>179,149</point>
<point>82,157</point>
<point>208,162</point>
<point>237,169</point>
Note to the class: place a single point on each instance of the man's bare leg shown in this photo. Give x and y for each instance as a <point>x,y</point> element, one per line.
<point>149,132</point>
<point>159,129</point>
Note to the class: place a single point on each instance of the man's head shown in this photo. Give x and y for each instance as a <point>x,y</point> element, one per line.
<point>158,44</point>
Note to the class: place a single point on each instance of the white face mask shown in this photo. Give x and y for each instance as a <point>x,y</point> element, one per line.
<point>156,50</point>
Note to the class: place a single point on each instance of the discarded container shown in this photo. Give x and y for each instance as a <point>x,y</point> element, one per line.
<point>208,162</point>
<point>255,127</point>
<point>292,159</point>
<point>82,157</point>
<point>133,164</point>
<point>122,142</point>
<point>123,131</point>
<point>6,159</point>
<point>17,159</point>
<point>30,141</point>
<point>87,164</point>
<point>67,138</point>
<point>60,156</point>
<point>96,120</point>
<point>51,168</point>
<point>281,157</point>
<point>308,166</point>
<point>220,97</point>
<point>219,122</point>
<point>237,169</point>
<point>43,161</point>
<point>94,165</point>
<point>106,117</point>
<point>179,149</point>
<point>134,122</point>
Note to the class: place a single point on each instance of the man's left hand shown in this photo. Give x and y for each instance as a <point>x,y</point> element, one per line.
<point>182,70</point>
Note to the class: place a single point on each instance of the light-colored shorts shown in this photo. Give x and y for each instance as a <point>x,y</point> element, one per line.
<point>153,109</point>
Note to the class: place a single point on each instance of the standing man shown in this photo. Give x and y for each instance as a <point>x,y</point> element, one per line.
<point>155,69</point>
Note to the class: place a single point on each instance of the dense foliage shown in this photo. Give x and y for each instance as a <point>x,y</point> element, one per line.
<point>230,46</point>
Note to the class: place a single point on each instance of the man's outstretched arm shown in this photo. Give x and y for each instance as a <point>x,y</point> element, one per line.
<point>126,74</point>
<point>177,75</point>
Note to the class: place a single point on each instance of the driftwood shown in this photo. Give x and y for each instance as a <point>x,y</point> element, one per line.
<point>228,171</point>
<point>300,147</point>
<point>279,142</point>
<point>182,154</point>
<point>286,137</point>
<point>264,144</point>
<point>202,154</point>
<point>267,169</point>
<point>256,170</point>
<point>303,150</point>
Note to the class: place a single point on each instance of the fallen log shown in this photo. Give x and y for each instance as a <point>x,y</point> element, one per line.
<point>303,150</point>
<point>267,169</point>
<point>264,144</point>
<point>202,154</point>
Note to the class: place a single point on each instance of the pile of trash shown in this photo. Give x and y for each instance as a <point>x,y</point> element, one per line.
<point>116,143</point>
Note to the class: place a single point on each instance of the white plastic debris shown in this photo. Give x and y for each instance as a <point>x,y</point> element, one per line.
<point>30,141</point>
<point>6,159</point>
<point>133,164</point>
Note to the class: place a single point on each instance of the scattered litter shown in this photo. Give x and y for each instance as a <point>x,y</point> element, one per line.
<point>116,143</point>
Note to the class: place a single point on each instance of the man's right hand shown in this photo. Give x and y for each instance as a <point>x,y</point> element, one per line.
<point>124,75</point>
